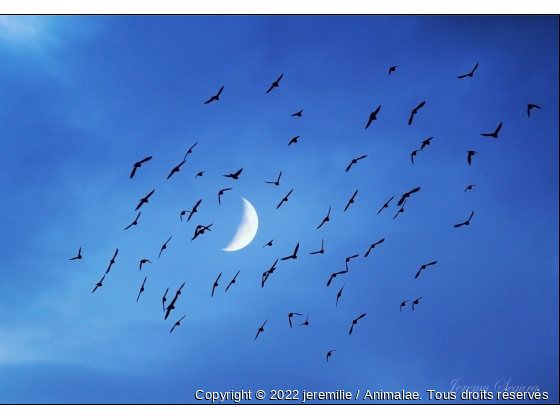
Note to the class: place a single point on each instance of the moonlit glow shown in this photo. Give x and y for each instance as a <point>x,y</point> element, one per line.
<point>246,230</point>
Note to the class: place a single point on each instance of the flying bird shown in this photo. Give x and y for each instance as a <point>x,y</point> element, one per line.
<point>333,275</point>
<point>415,302</point>
<point>349,258</point>
<point>269,243</point>
<point>277,182</point>
<point>141,288</point>
<point>339,295</point>
<point>426,143</point>
<point>290,315</point>
<point>392,69</point>
<point>199,174</point>
<point>321,251</point>
<point>468,74</point>
<point>306,321</point>
<point>401,210</point>
<point>494,134</point>
<point>297,114</point>
<point>232,281</point>
<point>373,246</point>
<point>176,169</point>
<point>164,298</point>
<point>470,154</point>
<point>402,304</point>
<point>412,155</point>
<point>326,219</point>
<point>355,322</point>
<point>423,268</point>
<point>77,257</point>
<point>470,187</point>
<point>194,209</point>
<point>144,261</point>
<point>215,284</point>
<point>268,273</point>
<point>177,324</point>
<point>235,175</point>
<point>275,84</point>
<point>406,195</point>
<point>144,200</point>
<point>112,261</point>
<point>465,223</point>
<point>99,284</point>
<point>385,205</point>
<point>329,354</point>
<point>138,164</point>
<point>373,116</point>
<point>216,97</point>
<point>261,329</point>
<point>530,107</point>
<point>355,161</point>
<point>164,246</point>
<point>221,192</point>
<point>293,256</point>
<point>284,199</point>
<point>414,111</point>
<point>294,140</point>
<point>200,230</point>
<point>135,221</point>
<point>351,201</point>
<point>189,151</point>
<point>172,304</point>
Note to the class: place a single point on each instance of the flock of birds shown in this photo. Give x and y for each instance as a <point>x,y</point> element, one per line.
<point>201,229</point>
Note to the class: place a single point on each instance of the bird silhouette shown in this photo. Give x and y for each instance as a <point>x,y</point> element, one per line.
<point>412,155</point>
<point>338,296</point>
<point>176,324</point>
<point>373,116</point>
<point>135,221</point>
<point>144,261</point>
<point>494,134</point>
<point>349,258</point>
<point>333,275</point>
<point>392,69</point>
<point>415,302</point>
<point>77,257</point>
<point>297,114</point>
<point>293,256</point>
<point>215,284</point>
<point>373,246</point>
<point>164,246</point>
<point>144,200</point>
<point>468,74</point>
<point>329,354</point>
<point>112,261</point>
<point>216,97</point>
<point>414,111</point>
<point>199,174</point>
<point>277,182</point>
<point>354,161</point>
<point>200,230</point>
<point>141,288</point>
<point>194,209</point>
<point>269,243</point>
<point>176,169</point>
<point>221,192</point>
<point>470,187</point>
<point>355,322</point>
<point>385,205</point>
<point>164,299</point>
<point>98,284</point>
<point>137,165</point>
<point>530,107</point>
<point>423,267</point>
<point>426,143</point>
<point>284,199</point>
<point>294,140</point>
<point>306,323</point>
<point>465,223</point>
<point>402,304</point>
<point>232,281</point>
<point>326,219</point>
<point>275,84</point>
<point>235,175</point>
<point>401,210</point>
<point>189,151</point>
<point>172,304</point>
<point>351,201</point>
<point>470,154</point>
<point>261,329</point>
<point>290,315</point>
<point>407,195</point>
<point>268,273</point>
<point>321,251</point>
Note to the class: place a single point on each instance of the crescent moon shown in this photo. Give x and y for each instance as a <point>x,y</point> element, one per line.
<point>246,230</point>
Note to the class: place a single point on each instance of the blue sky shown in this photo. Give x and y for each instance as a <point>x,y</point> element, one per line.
<point>83,98</point>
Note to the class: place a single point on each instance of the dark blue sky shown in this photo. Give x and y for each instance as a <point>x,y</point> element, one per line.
<point>83,98</point>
